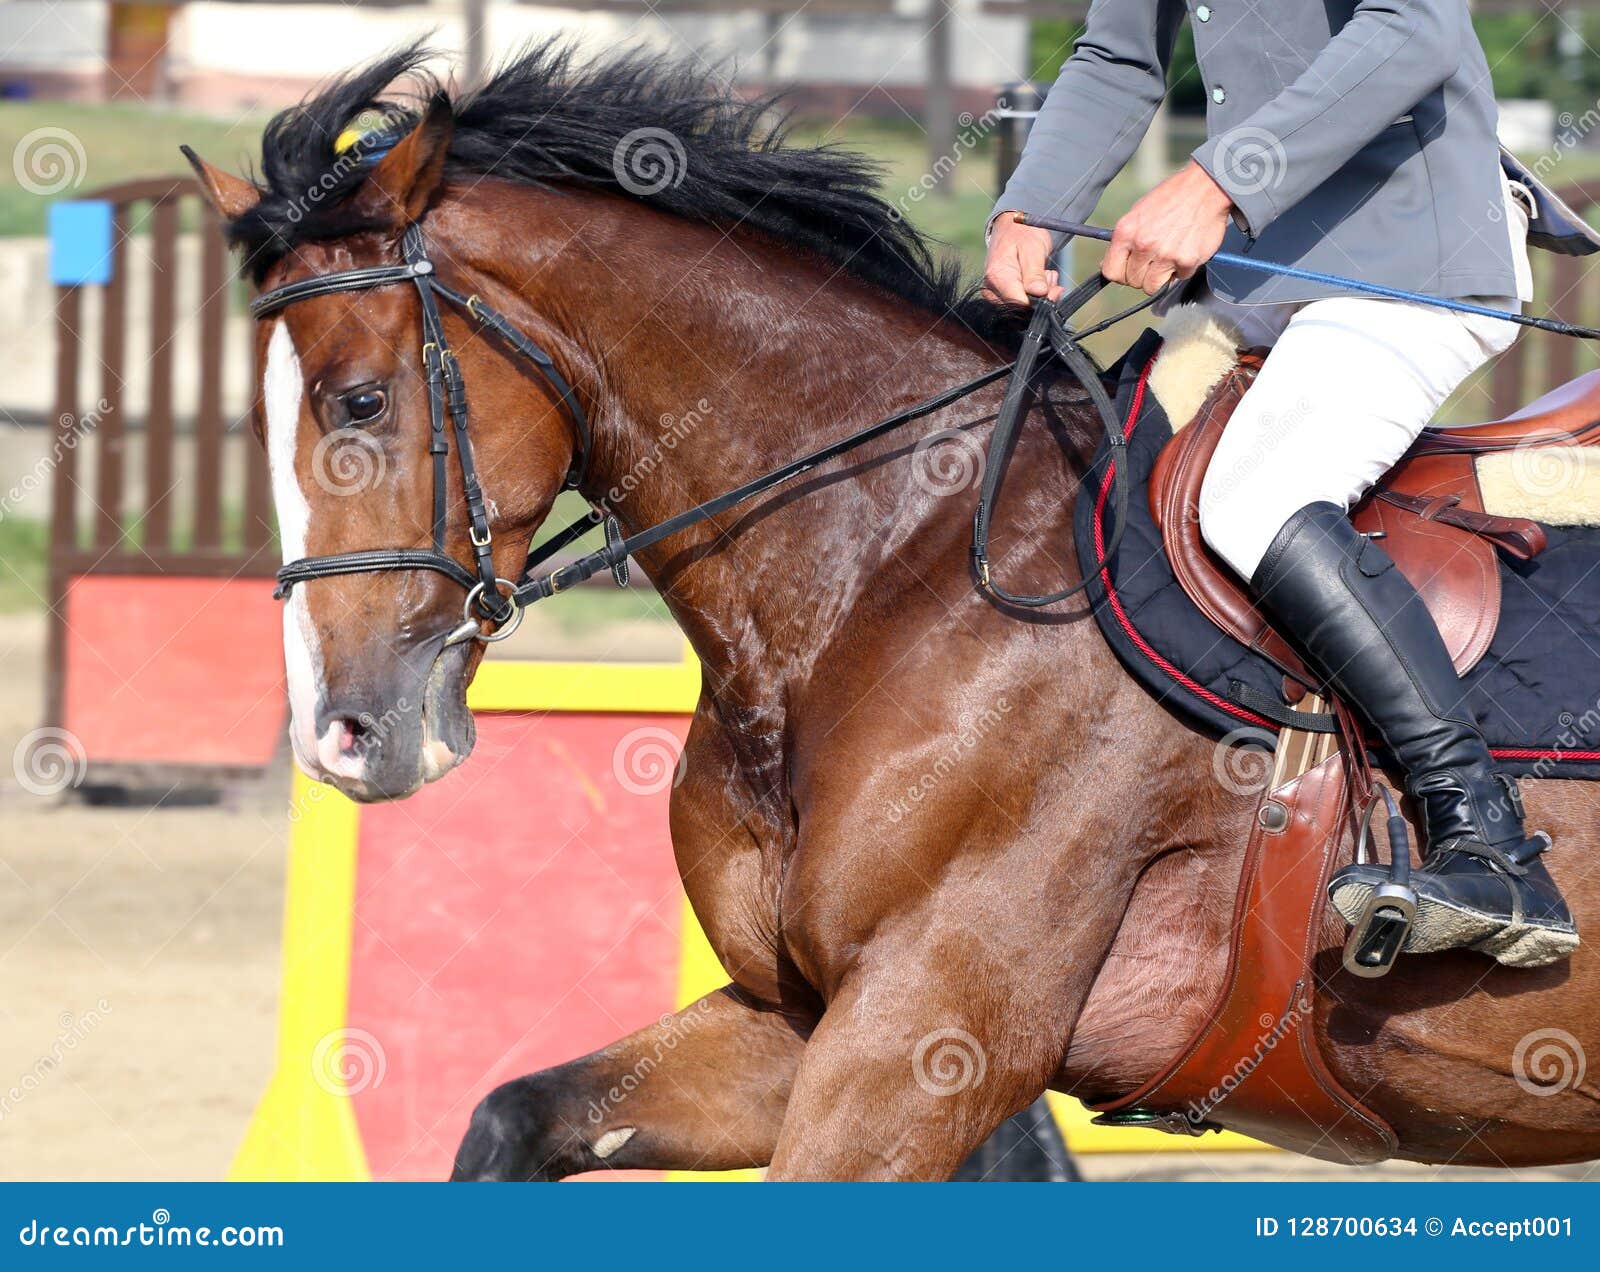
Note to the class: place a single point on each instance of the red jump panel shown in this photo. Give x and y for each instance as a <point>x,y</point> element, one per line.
<point>174,670</point>
<point>521,912</point>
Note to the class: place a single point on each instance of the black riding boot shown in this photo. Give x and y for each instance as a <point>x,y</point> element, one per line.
<point>1339,598</point>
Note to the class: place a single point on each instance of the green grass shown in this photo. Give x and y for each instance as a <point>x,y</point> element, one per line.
<point>103,145</point>
<point>23,544</point>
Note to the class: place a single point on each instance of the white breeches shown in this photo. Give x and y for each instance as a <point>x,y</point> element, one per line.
<point>1350,384</point>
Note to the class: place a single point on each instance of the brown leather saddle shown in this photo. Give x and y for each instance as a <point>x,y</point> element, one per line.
<point>1255,1063</point>
<point>1429,508</point>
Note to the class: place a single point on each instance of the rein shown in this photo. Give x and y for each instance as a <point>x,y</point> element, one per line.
<point>501,601</point>
<point>1049,321</point>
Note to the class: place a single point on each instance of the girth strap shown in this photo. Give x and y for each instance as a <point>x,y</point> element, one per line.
<point>1280,713</point>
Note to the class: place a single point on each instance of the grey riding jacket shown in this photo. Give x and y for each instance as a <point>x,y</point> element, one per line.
<point>1355,137</point>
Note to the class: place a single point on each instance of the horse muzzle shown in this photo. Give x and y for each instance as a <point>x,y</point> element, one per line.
<point>377,746</point>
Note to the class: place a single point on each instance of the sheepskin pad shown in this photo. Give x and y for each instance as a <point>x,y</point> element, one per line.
<point>1197,350</point>
<point>1559,485</point>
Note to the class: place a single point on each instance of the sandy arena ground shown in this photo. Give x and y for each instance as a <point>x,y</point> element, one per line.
<point>139,954</point>
<point>138,950</point>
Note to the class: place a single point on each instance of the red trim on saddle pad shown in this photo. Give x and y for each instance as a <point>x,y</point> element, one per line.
<point>1144,646</point>
<point>1524,753</point>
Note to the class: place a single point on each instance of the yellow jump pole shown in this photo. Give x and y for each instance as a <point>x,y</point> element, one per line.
<point>304,1128</point>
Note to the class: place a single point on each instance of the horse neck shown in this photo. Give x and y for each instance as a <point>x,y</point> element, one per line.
<point>721,357</point>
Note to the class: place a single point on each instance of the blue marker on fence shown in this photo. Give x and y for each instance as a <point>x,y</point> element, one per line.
<point>80,242</point>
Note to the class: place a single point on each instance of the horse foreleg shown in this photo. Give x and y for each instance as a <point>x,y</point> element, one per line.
<point>702,1089</point>
<point>904,1078</point>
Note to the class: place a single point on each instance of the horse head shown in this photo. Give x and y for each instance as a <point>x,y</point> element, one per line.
<point>377,689</point>
<point>717,299</point>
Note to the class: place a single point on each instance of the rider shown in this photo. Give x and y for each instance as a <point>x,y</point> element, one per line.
<point>1354,137</point>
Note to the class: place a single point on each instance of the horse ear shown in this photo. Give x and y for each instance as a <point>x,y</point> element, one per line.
<point>400,184</point>
<point>231,196</point>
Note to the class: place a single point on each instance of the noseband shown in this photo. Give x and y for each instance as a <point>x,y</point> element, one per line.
<point>447,397</point>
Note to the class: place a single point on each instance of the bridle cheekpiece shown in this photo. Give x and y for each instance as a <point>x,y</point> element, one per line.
<point>447,401</point>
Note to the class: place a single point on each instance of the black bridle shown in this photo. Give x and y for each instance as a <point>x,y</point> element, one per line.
<point>447,399</point>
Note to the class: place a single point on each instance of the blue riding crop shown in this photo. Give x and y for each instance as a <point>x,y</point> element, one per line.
<point>1333,280</point>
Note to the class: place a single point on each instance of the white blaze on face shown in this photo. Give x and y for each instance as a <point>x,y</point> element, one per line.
<point>283,388</point>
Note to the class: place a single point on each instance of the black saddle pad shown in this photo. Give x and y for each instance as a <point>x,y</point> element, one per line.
<point>1535,693</point>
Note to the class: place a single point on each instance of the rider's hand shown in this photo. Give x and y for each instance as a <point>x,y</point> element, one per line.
<point>1169,233</point>
<point>1017,269</point>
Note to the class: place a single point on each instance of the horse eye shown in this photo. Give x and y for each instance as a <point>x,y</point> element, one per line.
<point>364,405</point>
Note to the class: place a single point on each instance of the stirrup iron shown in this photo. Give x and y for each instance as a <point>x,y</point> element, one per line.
<point>1379,934</point>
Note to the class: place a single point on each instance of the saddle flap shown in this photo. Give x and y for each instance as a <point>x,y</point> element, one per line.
<point>1454,570</point>
<point>1256,1064</point>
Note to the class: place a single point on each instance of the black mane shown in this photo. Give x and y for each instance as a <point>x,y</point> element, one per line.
<point>548,118</point>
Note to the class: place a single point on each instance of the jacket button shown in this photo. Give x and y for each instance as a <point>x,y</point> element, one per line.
<point>1218,96</point>
<point>1203,13</point>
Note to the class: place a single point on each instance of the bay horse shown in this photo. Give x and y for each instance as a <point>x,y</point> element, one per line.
<point>950,854</point>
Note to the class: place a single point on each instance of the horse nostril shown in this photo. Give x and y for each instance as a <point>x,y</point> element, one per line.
<point>355,733</point>
<point>347,736</point>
